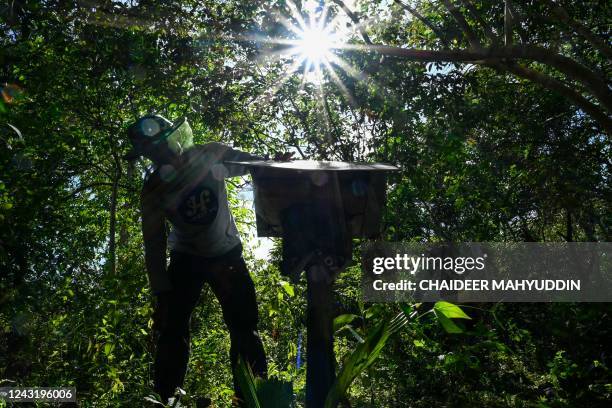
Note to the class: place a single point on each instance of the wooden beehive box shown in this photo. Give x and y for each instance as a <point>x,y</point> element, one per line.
<point>354,191</point>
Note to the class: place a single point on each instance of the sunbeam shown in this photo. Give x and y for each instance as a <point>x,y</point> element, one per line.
<point>310,48</point>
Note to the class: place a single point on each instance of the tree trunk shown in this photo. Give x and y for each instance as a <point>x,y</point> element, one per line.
<point>112,255</point>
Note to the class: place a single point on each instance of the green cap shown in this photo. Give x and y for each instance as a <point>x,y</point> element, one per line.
<point>156,128</point>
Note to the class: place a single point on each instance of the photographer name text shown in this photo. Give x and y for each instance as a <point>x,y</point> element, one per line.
<point>479,285</point>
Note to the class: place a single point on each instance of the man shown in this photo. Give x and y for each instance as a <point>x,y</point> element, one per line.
<point>187,188</point>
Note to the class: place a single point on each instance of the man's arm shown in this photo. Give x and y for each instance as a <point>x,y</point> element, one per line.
<point>228,154</point>
<point>154,235</point>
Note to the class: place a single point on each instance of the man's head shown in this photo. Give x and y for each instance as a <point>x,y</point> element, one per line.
<point>158,139</point>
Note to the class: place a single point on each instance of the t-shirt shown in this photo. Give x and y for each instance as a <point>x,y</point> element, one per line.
<point>194,199</point>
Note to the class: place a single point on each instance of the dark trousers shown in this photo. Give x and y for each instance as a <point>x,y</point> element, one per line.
<point>229,280</point>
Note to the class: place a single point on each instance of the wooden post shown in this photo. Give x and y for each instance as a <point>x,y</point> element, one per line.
<point>320,370</point>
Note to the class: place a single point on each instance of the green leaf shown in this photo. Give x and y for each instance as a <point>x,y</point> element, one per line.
<point>350,329</point>
<point>362,357</point>
<point>448,324</point>
<point>246,380</point>
<point>450,310</point>
<point>355,334</point>
<point>419,343</point>
<point>274,393</point>
<point>343,320</point>
<point>108,348</point>
<point>151,398</point>
<point>288,288</point>
<point>406,308</point>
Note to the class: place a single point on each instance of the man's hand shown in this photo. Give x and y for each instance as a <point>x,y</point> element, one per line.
<point>160,314</point>
<point>283,157</point>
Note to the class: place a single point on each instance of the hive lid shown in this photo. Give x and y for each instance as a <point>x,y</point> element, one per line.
<point>316,165</point>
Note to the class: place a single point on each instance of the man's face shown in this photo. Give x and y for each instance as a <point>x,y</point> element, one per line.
<point>158,151</point>
<point>147,137</point>
<point>156,138</point>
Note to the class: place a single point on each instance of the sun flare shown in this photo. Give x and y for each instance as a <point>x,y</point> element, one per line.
<point>312,48</point>
<point>315,44</point>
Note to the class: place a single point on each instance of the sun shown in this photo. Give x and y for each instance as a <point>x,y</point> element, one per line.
<point>312,47</point>
<point>315,44</point>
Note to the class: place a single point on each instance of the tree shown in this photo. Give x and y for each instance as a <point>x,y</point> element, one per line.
<point>539,41</point>
<point>485,154</point>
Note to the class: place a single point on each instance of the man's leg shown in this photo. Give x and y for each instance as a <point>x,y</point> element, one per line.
<point>172,352</point>
<point>234,288</point>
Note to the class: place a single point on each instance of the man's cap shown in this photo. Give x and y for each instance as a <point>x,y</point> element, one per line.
<point>150,127</point>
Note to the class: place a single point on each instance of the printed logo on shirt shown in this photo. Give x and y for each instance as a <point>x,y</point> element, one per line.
<point>200,206</point>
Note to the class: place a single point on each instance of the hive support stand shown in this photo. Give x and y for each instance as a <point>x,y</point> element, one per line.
<point>317,207</point>
<point>320,360</point>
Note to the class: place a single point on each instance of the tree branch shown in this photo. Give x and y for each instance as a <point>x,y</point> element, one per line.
<point>425,21</point>
<point>508,24</point>
<point>476,16</point>
<point>554,84</point>
<point>569,67</point>
<point>516,17</point>
<point>112,227</point>
<point>560,14</point>
<point>421,55</point>
<point>573,69</point>
<point>503,58</point>
<point>463,24</point>
<point>80,189</point>
<point>355,20</point>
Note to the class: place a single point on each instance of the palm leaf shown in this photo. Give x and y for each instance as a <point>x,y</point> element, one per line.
<point>261,392</point>
<point>362,357</point>
<point>246,381</point>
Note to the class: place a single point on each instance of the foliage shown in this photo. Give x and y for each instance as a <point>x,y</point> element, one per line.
<point>260,392</point>
<point>364,354</point>
<point>486,154</point>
